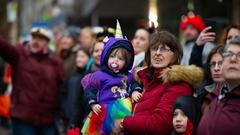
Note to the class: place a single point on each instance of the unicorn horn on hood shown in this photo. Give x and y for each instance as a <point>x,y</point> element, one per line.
<point>118,32</point>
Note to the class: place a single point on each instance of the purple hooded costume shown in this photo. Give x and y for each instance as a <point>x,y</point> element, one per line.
<point>105,86</point>
<point>109,89</point>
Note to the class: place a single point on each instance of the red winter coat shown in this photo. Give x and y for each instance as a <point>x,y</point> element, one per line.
<point>153,113</point>
<point>36,80</point>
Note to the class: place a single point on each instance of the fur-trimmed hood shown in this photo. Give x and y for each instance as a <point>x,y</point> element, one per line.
<point>192,74</point>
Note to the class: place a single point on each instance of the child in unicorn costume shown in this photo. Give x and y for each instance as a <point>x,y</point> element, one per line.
<point>107,90</point>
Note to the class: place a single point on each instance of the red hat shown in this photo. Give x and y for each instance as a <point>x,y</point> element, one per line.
<point>195,21</point>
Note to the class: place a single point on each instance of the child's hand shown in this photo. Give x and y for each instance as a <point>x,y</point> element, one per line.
<point>96,108</point>
<point>136,96</point>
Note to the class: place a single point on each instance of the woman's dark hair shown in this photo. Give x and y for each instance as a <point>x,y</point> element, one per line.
<point>145,29</point>
<point>168,39</point>
<point>215,50</point>
<point>86,51</point>
<point>164,38</point>
<point>224,34</point>
<point>150,29</point>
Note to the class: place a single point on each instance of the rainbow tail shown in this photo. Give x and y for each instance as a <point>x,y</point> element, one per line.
<point>103,123</point>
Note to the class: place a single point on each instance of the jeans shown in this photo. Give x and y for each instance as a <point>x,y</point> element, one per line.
<point>23,128</point>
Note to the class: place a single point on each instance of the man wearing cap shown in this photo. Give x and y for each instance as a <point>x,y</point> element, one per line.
<point>37,75</point>
<point>195,47</point>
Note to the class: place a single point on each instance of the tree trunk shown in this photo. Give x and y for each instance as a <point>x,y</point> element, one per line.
<point>3,19</point>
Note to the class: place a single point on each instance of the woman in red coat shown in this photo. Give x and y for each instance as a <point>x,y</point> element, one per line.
<point>163,81</point>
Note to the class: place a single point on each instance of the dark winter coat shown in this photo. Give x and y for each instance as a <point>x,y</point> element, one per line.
<point>36,79</point>
<point>72,99</point>
<point>223,117</point>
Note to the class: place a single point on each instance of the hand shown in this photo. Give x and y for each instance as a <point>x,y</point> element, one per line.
<point>205,36</point>
<point>136,96</point>
<point>117,129</point>
<point>96,108</point>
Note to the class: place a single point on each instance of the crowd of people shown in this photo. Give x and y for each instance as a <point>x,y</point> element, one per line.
<point>97,81</point>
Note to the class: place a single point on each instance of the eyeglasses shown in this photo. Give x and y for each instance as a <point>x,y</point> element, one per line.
<point>212,65</point>
<point>161,49</point>
<point>228,55</point>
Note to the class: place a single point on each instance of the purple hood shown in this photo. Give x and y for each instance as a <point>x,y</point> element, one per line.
<point>113,43</point>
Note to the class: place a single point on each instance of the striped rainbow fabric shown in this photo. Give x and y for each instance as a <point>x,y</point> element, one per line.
<point>104,122</point>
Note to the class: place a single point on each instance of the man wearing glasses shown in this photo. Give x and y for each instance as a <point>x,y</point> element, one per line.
<point>223,117</point>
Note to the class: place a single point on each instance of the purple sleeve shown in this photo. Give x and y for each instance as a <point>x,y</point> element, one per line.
<point>91,81</point>
<point>130,77</point>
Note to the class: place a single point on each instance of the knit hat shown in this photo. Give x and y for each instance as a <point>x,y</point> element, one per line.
<point>189,105</point>
<point>193,20</point>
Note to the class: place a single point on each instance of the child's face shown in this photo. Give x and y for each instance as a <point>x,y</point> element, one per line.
<point>116,61</point>
<point>81,59</point>
<point>179,121</point>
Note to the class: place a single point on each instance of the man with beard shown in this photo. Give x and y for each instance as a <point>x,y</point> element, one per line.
<point>37,75</point>
<point>197,38</point>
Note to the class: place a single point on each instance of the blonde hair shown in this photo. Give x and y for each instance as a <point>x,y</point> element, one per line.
<point>88,30</point>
